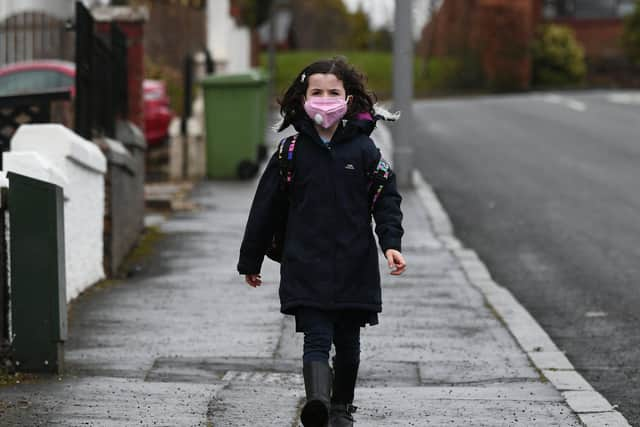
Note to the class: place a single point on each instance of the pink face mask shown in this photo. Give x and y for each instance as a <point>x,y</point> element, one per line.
<point>325,112</point>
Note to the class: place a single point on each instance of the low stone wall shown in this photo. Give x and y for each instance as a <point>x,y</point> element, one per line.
<point>124,201</point>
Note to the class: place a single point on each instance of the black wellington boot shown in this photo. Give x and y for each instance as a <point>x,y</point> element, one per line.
<point>344,384</point>
<point>317,384</point>
<point>341,414</point>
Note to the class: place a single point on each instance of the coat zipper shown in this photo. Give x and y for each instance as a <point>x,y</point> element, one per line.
<point>335,202</point>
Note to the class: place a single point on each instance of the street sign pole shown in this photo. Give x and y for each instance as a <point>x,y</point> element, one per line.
<point>403,93</point>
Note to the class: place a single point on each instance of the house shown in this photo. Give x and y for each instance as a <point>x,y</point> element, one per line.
<point>597,24</point>
<point>499,32</point>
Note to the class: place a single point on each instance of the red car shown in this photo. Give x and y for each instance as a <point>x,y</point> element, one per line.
<point>36,76</point>
<point>157,113</point>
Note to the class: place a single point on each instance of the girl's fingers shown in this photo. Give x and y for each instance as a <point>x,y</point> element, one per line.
<point>253,280</point>
<point>399,264</point>
<point>398,271</point>
<point>392,258</point>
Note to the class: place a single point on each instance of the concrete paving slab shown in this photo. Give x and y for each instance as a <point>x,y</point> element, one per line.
<point>104,401</point>
<point>488,370</point>
<point>604,419</point>
<point>567,380</point>
<point>251,405</point>
<point>587,401</point>
<point>555,360</point>
<point>463,406</point>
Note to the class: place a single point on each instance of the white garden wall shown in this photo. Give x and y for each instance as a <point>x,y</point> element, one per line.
<point>82,166</point>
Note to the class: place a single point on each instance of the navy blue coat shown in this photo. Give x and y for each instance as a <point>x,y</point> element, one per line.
<point>330,259</point>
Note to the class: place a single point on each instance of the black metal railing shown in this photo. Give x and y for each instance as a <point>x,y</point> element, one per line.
<point>104,122</point>
<point>83,116</point>
<point>101,77</point>
<point>188,82</point>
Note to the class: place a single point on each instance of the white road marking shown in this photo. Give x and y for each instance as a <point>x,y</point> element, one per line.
<point>437,128</point>
<point>570,103</point>
<point>626,98</point>
<point>595,314</point>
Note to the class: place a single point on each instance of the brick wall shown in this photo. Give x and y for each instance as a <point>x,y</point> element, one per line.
<point>445,34</point>
<point>173,31</point>
<point>132,22</point>
<point>502,31</point>
<point>599,37</point>
<point>135,64</point>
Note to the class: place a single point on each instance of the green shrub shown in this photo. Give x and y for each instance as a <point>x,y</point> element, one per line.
<point>171,77</point>
<point>558,59</point>
<point>631,35</point>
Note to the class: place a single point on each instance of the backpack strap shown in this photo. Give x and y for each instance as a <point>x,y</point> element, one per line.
<point>379,178</point>
<point>286,150</point>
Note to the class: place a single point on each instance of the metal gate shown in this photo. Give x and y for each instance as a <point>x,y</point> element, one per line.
<point>101,76</point>
<point>34,35</point>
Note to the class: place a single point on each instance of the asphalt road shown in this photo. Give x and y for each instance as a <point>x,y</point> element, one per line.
<point>546,188</point>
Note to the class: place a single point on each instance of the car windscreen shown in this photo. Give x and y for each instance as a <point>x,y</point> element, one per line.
<point>33,81</point>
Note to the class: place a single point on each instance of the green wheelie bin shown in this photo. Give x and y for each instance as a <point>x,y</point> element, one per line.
<point>235,113</point>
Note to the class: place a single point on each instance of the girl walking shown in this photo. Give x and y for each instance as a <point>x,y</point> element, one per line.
<point>329,274</point>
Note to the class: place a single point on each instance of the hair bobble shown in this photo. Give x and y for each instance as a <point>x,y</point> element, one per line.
<point>302,77</point>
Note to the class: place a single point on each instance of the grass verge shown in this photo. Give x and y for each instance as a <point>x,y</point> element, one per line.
<point>377,66</point>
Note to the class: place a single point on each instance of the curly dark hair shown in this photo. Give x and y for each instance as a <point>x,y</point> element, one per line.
<point>291,104</point>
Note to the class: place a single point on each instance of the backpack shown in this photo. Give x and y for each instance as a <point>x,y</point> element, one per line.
<point>378,178</point>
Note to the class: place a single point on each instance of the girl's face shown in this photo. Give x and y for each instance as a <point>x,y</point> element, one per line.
<point>325,85</point>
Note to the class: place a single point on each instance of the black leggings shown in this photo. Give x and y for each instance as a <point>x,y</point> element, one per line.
<point>322,328</point>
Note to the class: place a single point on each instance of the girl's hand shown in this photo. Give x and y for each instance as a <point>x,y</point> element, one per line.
<point>396,261</point>
<point>254,280</point>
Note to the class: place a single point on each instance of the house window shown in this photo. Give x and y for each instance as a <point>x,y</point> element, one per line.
<point>587,9</point>
<point>626,7</point>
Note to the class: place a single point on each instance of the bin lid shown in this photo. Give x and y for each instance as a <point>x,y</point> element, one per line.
<point>248,78</point>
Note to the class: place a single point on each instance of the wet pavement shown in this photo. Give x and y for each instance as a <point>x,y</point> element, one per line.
<point>185,342</point>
